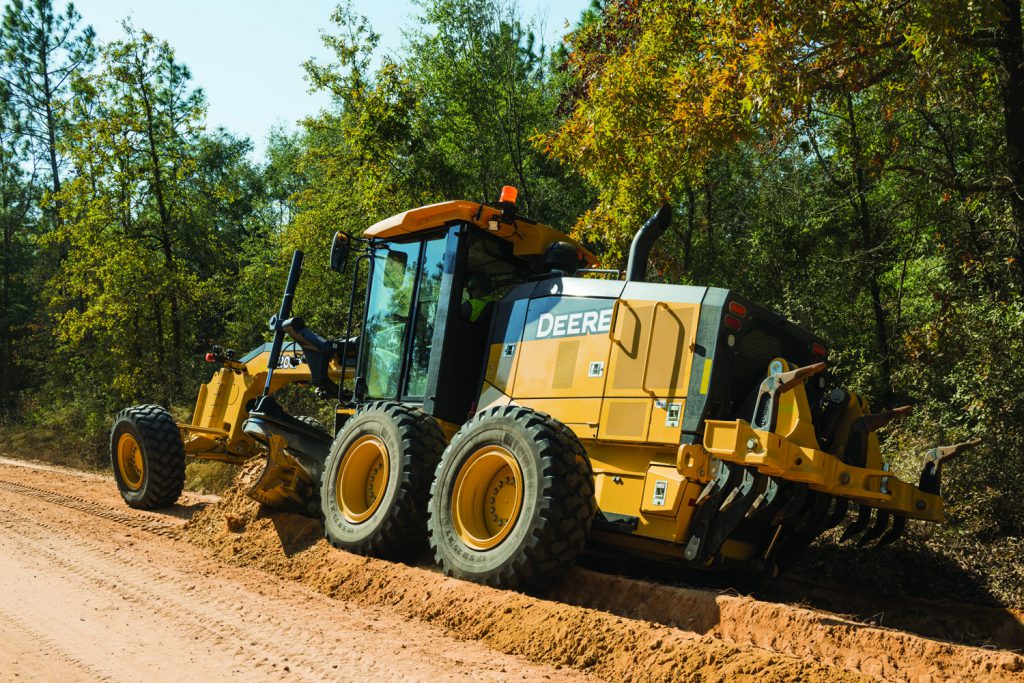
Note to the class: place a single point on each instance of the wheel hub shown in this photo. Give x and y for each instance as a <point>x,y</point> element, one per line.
<point>130,463</point>
<point>362,479</point>
<point>487,497</point>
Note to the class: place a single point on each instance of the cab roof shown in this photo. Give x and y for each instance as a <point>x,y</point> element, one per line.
<point>527,238</point>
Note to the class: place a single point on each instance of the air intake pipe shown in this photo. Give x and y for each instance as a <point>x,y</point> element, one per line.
<point>640,249</point>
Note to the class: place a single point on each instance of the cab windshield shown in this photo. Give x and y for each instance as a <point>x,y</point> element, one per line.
<point>394,301</point>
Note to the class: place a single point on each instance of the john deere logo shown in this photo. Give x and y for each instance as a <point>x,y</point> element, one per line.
<point>573,324</point>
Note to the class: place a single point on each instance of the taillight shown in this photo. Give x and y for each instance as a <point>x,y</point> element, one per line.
<point>738,308</point>
<point>819,350</point>
<point>733,323</point>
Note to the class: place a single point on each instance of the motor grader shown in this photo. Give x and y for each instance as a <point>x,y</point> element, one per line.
<point>508,402</point>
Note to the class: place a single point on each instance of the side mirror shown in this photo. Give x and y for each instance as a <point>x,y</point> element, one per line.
<point>339,252</point>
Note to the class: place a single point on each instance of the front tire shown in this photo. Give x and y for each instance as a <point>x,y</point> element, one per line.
<point>376,481</point>
<point>512,500</point>
<point>148,457</point>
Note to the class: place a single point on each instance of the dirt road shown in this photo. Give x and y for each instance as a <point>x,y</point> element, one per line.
<point>90,590</point>
<point>216,589</point>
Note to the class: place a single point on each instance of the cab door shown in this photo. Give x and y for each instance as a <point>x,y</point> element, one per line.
<point>405,286</point>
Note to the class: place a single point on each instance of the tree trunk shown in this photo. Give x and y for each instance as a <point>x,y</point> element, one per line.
<point>691,221</point>
<point>1011,57</point>
<point>51,134</point>
<point>863,213</point>
<point>6,345</point>
<point>166,229</point>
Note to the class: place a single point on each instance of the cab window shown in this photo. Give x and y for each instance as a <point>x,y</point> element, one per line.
<point>387,314</point>
<point>426,313</point>
<point>490,273</point>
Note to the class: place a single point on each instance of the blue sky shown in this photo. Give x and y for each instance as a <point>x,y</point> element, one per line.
<point>247,55</point>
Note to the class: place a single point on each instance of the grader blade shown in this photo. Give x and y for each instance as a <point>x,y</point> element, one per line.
<point>296,452</point>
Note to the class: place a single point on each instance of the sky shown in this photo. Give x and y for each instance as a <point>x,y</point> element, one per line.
<point>247,55</point>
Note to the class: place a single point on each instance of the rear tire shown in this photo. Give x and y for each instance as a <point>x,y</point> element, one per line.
<point>148,457</point>
<point>377,478</point>
<point>512,501</point>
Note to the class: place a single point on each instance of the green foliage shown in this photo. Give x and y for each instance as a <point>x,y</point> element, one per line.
<point>43,51</point>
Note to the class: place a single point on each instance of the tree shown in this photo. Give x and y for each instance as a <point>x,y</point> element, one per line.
<point>17,198</point>
<point>43,51</point>
<point>152,220</point>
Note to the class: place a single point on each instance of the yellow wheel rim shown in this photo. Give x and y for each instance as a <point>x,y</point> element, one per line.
<point>130,463</point>
<point>487,498</point>
<point>362,478</point>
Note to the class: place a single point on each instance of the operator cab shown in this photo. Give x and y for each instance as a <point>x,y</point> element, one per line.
<point>435,275</point>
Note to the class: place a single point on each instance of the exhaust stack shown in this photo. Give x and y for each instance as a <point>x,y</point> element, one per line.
<point>640,249</point>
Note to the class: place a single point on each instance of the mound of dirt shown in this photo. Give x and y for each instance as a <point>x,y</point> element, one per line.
<point>615,628</point>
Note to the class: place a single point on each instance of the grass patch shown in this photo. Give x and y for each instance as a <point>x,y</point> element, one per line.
<point>52,445</point>
<point>208,476</point>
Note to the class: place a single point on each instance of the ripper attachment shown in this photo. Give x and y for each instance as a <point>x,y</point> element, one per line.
<point>736,492</point>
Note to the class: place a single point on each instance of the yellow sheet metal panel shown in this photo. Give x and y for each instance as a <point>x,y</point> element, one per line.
<point>501,366</point>
<point>663,491</point>
<point>673,332</point>
<point>579,414</point>
<point>553,368</point>
<point>666,420</point>
<point>564,348</point>
<point>651,348</point>
<point>618,475</point>
<point>674,528</point>
<point>625,419</point>
<point>491,396</point>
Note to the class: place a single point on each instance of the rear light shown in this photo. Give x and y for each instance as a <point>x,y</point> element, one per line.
<point>738,308</point>
<point>210,358</point>
<point>819,350</point>
<point>733,323</point>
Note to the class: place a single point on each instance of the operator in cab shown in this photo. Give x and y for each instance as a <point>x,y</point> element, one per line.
<point>478,299</point>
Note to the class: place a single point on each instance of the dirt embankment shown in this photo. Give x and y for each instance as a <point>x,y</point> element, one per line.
<point>612,627</point>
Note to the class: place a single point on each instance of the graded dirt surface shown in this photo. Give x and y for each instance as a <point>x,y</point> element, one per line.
<point>218,589</point>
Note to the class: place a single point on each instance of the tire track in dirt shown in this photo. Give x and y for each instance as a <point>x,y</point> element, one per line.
<point>610,646</point>
<point>243,628</point>
<point>48,648</point>
<point>613,626</point>
<point>154,525</point>
<point>206,625</point>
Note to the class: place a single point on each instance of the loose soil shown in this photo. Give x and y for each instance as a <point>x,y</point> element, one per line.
<point>262,591</point>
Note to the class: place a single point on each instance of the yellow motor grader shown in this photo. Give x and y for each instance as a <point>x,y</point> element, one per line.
<point>506,401</point>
